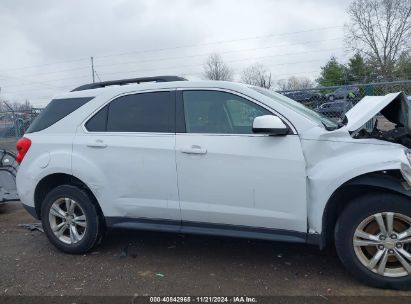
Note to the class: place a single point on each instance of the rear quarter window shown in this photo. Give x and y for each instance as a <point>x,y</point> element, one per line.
<point>56,110</point>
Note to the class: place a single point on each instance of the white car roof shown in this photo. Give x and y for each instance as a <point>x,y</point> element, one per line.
<point>103,95</point>
<point>117,89</point>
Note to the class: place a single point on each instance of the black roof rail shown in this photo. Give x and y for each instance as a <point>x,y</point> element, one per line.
<point>128,81</point>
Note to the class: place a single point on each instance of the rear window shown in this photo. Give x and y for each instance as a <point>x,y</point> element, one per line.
<point>55,111</point>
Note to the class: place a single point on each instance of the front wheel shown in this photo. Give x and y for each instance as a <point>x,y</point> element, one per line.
<point>70,219</point>
<point>373,240</point>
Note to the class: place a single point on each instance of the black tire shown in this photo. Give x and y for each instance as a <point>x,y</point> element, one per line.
<point>93,233</point>
<point>351,217</point>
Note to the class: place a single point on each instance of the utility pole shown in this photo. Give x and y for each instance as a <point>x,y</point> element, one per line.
<point>92,68</point>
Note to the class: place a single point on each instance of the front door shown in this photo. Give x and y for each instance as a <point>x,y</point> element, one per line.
<point>228,175</point>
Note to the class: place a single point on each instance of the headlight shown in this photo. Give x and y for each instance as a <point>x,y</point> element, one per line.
<point>408,154</point>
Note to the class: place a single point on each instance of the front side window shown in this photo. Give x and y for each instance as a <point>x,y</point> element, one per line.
<point>298,107</point>
<point>144,112</point>
<point>219,112</point>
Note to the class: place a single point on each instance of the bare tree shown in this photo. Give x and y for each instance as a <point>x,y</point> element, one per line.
<point>295,83</point>
<point>380,30</point>
<point>6,106</point>
<point>26,106</point>
<point>216,69</point>
<point>257,75</point>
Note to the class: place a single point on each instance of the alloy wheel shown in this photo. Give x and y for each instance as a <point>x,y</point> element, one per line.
<point>382,243</point>
<point>67,220</point>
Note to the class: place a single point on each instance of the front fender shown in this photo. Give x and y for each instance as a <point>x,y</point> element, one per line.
<point>340,162</point>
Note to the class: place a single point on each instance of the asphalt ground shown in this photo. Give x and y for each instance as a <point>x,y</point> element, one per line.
<point>147,263</point>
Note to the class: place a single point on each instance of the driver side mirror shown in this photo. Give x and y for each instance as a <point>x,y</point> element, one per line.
<point>270,124</point>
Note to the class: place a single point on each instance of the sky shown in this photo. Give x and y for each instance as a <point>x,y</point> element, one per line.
<point>45,46</point>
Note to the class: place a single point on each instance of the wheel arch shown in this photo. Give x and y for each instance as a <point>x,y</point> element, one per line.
<point>54,180</point>
<point>390,181</point>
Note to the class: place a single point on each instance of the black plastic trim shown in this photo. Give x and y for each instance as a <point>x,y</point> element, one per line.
<point>103,84</point>
<point>209,229</point>
<point>314,239</point>
<point>31,211</point>
<point>180,117</point>
<point>172,98</point>
<point>272,132</point>
<point>383,181</point>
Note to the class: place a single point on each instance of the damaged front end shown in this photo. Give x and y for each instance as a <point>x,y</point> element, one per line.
<point>390,120</point>
<point>363,146</point>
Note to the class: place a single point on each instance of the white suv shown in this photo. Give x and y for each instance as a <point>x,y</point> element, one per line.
<point>222,158</point>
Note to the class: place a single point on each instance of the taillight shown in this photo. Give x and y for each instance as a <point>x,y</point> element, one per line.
<point>23,145</point>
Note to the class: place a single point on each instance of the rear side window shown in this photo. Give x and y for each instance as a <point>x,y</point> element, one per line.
<point>144,112</point>
<point>56,110</point>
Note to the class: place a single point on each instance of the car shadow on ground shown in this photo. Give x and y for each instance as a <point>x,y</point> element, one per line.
<point>130,261</point>
<point>298,258</point>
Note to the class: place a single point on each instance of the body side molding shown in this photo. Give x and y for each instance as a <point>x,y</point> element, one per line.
<point>210,229</point>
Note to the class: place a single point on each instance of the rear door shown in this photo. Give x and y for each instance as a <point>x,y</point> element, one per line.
<point>130,144</point>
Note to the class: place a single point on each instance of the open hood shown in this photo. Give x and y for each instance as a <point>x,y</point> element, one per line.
<point>394,106</point>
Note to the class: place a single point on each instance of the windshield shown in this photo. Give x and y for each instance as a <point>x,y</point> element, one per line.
<point>298,107</point>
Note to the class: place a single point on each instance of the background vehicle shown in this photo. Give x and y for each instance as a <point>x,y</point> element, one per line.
<point>334,109</point>
<point>352,93</point>
<point>304,96</point>
<point>222,158</point>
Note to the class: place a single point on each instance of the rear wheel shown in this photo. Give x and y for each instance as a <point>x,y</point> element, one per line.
<point>373,240</point>
<point>70,219</point>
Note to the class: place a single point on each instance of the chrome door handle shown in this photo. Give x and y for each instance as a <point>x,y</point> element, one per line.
<point>194,149</point>
<point>97,144</point>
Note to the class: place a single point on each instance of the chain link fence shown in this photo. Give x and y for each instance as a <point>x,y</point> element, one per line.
<point>335,101</point>
<point>13,124</point>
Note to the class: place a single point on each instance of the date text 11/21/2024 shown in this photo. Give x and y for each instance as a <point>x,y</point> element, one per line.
<point>204,299</point>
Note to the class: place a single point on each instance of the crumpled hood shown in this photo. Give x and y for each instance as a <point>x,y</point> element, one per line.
<point>394,106</point>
